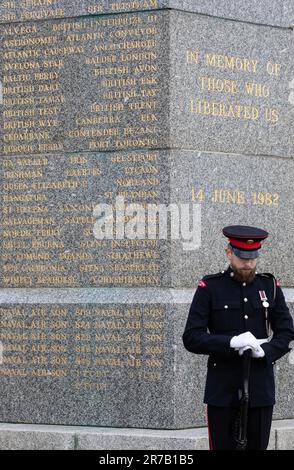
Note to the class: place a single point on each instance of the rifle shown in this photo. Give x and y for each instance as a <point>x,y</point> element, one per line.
<point>242,417</point>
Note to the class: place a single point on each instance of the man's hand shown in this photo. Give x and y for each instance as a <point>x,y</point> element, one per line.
<point>257,354</point>
<point>244,340</point>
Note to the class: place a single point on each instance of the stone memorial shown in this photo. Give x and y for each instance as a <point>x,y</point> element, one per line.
<point>118,107</point>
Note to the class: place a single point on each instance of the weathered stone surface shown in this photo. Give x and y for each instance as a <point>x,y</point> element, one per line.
<point>37,437</point>
<point>272,439</point>
<point>232,189</point>
<point>190,375</point>
<point>31,437</point>
<point>285,435</point>
<point>142,439</point>
<point>284,407</point>
<point>269,12</point>
<point>231,86</point>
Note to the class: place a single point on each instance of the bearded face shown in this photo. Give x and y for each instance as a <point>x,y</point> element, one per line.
<point>243,269</point>
<point>243,274</point>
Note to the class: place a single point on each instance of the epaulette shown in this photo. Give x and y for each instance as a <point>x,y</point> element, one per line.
<point>202,282</point>
<point>212,276</point>
<point>268,275</point>
<point>276,281</point>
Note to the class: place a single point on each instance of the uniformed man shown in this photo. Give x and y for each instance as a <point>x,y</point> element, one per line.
<point>232,311</point>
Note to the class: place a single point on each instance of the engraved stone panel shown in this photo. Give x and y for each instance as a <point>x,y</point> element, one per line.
<point>48,219</point>
<point>234,189</point>
<point>91,84</point>
<point>232,86</point>
<point>87,364</point>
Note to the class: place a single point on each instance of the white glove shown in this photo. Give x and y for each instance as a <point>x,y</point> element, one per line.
<point>255,353</point>
<point>243,340</point>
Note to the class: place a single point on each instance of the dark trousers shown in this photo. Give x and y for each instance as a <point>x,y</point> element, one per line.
<point>222,425</point>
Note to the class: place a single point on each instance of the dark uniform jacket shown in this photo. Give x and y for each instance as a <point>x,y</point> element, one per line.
<point>222,308</point>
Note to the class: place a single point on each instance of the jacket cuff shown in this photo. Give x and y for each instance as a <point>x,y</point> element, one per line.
<point>268,356</point>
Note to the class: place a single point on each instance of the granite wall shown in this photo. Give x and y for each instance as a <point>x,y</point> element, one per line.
<point>187,104</point>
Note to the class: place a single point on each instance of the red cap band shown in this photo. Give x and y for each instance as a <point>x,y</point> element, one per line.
<point>245,246</point>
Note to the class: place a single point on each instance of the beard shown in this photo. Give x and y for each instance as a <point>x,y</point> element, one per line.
<point>243,275</point>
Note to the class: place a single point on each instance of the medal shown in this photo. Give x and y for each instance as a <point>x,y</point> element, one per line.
<point>265,304</point>
<point>263,298</point>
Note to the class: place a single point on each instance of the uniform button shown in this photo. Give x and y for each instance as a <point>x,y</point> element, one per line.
<point>214,364</point>
<point>246,317</point>
<point>223,272</point>
<point>226,306</point>
<point>245,299</point>
<point>232,274</point>
<point>244,284</point>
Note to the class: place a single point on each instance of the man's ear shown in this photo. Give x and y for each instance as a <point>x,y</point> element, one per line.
<point>228,252</point>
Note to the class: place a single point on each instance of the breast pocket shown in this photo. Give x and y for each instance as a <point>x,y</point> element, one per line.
<point>257,304</point>
<point>262,317</point>
<point>226,316</point>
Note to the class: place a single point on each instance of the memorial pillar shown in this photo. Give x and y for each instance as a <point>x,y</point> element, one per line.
<point>186,106</point>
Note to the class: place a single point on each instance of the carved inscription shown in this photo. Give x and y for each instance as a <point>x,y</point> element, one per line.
<point>236,197</point>
<point>47,219</point>
<point>28,10</point>
<point>91,346</point>
<point>92,84</point>
<point>223,97</point>
<point>88,84</point>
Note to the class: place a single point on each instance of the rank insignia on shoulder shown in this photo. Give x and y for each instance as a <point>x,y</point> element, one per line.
<point>201,283</point>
